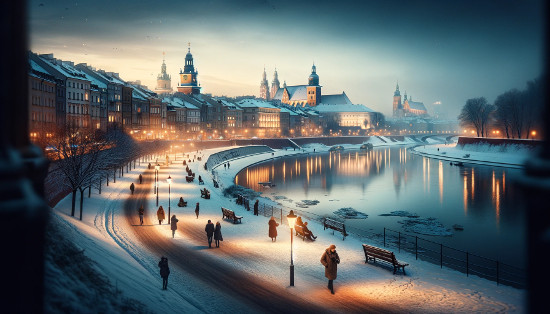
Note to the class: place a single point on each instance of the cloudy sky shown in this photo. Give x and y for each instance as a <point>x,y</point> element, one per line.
<point>445,51</point>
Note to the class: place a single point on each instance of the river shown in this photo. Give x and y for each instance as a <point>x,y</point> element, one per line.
<point>484,200</point>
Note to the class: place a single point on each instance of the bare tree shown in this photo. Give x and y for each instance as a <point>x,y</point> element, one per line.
<point>78,152</point>
<point>505,105</point>
<point>477,112</point>
<point>533,106</point>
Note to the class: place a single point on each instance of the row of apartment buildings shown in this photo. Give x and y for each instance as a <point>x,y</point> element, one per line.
<point>62,92</point>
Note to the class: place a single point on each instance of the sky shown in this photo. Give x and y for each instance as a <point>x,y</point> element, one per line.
<point>439,51</point>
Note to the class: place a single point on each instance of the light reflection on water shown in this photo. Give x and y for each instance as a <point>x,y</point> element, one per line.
<point>484,200</point>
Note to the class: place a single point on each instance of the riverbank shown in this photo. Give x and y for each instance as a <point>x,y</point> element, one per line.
<point>492,152</point>
<point>107,237</point>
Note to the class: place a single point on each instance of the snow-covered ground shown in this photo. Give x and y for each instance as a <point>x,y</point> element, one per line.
<point>109,240</point>
<point>512,156</point>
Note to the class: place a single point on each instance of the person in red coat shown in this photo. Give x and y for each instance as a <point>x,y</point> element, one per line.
<point>273,229</point>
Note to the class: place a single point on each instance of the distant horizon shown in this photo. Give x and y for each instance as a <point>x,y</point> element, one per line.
<point>439,52</point>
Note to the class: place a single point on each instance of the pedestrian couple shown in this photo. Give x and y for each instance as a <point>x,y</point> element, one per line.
<point>215,232</point>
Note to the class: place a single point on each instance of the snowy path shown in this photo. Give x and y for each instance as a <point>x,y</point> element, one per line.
<point>250,289</point>
<point>249,273</point>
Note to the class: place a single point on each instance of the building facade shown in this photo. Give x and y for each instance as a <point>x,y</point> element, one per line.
<point>407,107</point>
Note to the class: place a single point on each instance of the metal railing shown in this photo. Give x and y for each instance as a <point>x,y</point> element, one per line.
<point>423,249</point>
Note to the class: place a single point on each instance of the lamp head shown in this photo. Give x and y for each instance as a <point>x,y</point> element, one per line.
<point>291,219</point>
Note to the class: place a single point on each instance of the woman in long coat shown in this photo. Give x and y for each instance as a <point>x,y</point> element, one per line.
<point>273,229</point>
<point>174,225</point>
<point>160,214</point>
<point>218,234</point>
<point>330,260</point>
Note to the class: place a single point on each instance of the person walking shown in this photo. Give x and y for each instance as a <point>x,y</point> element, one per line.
<point>256,205</point>
<point>228,165</point>
<point>149,166</point>
<point>160,214</point>
<point>224,166</point>
<point>140,178</point>
<point>330,260</point>
<point>209,232</point>
<point>132,187</point>
<point>141,211</point>
<point>197,210</point>
<point>218,234</point>
<point>164,272</point>
<point>174,225</point>
<point>273,229</point>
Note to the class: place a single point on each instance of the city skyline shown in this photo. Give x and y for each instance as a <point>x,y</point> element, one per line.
<point>438,52</point>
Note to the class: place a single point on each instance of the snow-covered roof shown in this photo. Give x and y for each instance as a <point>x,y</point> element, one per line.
<point>298,92</point>
<point>292,113</point>
<point>417,105</point>
<point>65,68</point>
<point>342,108</point>
<point>95,81</point>
<point>138,95</point>
<point>279,94</point>
<point>255,103</point>
<point>335,99</point>
<point>34,66</point>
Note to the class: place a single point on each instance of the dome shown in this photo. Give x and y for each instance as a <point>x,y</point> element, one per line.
<point>313,77</point>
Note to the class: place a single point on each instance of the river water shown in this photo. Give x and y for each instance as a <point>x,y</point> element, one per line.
<point>484,200</point>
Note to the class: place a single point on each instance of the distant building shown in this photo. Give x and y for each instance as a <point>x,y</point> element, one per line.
<point>264,88</point>
<point>42,103</point>
<point>407,108</point>
<point>164,81</point>
<point>188,77</point>
<point>301,95</point>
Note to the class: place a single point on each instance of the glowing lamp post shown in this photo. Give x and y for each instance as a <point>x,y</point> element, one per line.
<point>291,220</point>
<point>169,180</point>
<point>157,168</point>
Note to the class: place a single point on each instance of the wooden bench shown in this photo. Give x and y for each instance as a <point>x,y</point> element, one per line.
<point>335,225</point>
<point>205,194</point>
<point>184,204</point>
<point>372,253</point>
<point>229,214</point>
<point>189,178</point>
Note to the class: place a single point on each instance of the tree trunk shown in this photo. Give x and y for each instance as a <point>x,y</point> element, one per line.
<point>81,201</point>
<point>73,203</point>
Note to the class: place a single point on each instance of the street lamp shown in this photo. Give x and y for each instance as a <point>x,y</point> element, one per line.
<point>157,167</point>
<point>169,182</point>
<point>291,220</point>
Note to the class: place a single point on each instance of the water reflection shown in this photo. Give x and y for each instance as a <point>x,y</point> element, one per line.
<point>385,180</point>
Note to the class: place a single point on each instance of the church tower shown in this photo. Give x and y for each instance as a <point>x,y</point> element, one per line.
<point>397,106</point>
<point>275,85</point>
<point>188,77</point>
<point>164,81</point>
<point>264,88</point>
<point>313,88</point>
